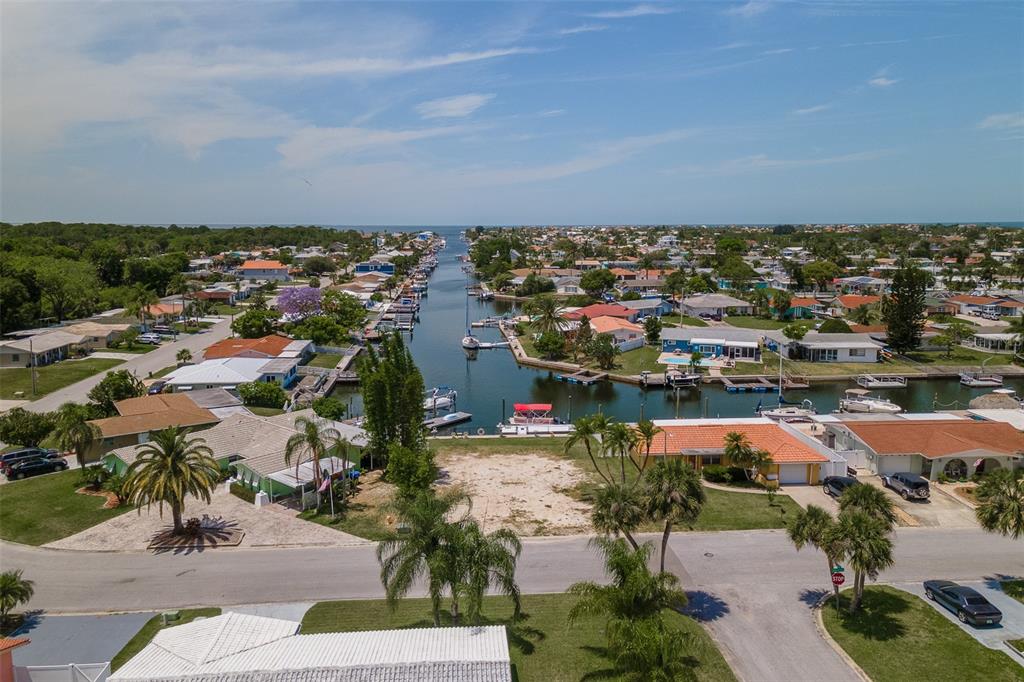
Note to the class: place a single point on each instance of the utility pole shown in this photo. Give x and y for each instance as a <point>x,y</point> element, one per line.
<point>32,358</point>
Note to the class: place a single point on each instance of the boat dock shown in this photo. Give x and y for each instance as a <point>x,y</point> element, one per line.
<point>584,377</point>
<point>881,381</point>
<point>447,420</point>
<point>754,385</point>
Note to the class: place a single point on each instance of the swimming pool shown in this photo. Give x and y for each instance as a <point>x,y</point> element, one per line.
<point>684,360</point>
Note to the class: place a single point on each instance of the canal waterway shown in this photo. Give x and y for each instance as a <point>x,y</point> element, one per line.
<point>488,385</point>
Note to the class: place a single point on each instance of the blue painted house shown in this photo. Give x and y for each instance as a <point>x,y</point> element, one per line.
<point>743,345</point>
<point>376,266</point>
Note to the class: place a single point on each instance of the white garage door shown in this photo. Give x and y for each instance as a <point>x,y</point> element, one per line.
<point>792,473</point>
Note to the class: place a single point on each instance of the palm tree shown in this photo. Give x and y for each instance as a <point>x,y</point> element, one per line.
<point>864,541</point>
<point>547,314</point>
<point>739,451</point>
<point>73,431</point>
<point>139,302</point>
<point>674,495</point>
<point>695,358</point>
<point>760,459</point>
<point>646,431</point>
<point>634,592</point>
<point>311,442</point>
<point>620,439</point>
<point>480,561</point>
<point>14,591</point>
<point>183,356</point>
<point>648,650</point>
<point>1001,503</point>
<point>618,509</point>
<point>168,468</point>
<point>1016,328</point>
<point>586,430</point>
<point>815,527</point>
<point>870,500</point>
<point>420,551</point>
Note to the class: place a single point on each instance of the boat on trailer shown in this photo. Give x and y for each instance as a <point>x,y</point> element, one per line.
<point>860,400</point>
<point>533,418</point>
<point>874,381</point>
<point>979,380</point>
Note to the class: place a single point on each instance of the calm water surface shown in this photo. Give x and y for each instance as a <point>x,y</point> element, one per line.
<point>493,376</point>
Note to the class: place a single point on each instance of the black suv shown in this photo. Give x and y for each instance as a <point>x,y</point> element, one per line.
<point>908,485</point>
<point>836,485</point>
<point>34,467</point>
<point>9,459</point>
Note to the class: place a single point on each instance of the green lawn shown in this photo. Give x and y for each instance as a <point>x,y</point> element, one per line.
<point>326,360</point>
<point>137,349</point>
<point>46,508</point>
<point>164,372</point>
<point>541,645</point>
<point>1017,644</point>
<point>358,520</point>
<point>1014,588</point>
<point>51,377</point>
<point>265,411</point>
<point>750,322</point>
<point>149,630</point>
<point>225,309</point>
<point>688,321</point>
<point>959,356</point>
<point>897,632</point>
<point>801,368</point>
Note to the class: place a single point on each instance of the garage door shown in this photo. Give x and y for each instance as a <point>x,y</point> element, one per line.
<point>793,474</point>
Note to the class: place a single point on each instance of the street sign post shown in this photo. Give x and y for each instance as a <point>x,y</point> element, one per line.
<point>838,569</point>
<point>838,579</point>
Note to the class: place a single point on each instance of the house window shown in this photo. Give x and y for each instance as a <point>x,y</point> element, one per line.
<point>858,352</point>
<point>15,357</point>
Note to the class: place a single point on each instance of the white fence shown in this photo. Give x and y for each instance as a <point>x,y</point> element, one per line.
<point>73,672</point>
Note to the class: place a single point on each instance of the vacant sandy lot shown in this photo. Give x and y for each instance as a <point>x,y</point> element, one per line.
<point>527,493</point>
<point>271,525</point>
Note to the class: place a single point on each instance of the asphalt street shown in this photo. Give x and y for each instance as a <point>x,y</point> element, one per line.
<point>752,590</point>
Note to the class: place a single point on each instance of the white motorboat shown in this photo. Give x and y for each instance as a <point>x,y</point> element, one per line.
<point>790,413</point>
<point>470,342</point>
<point>440,398</point>
<point>859,400</point>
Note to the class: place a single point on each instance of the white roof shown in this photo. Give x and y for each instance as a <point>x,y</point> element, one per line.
<point>221,371</point>
<point>1014,418</point>
<point>40,343</point>
<point>241,648</point>
<point>332,465</point>
<point>714,301</point>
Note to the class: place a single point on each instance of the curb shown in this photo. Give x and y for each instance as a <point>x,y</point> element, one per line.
<point>819,623</point>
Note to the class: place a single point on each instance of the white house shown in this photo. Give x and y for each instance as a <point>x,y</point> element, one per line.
<point>228,373</point>
<point>625,334</point>
<point>715,304</point>
<point>817,347</point>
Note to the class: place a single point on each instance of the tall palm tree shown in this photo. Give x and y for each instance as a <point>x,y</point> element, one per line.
<point>871,500</point>
<point>183,356</point>
<point>421,551</point>
<point>482,560</point>
<point>674,495</point>
<point>646,432</point>
<point>739,451</point>
<point>168,468</point>
<point>815,527</point>
<point>1016,328</point>
<point>864,541</point>
<point>310,443</point>
<point>619,439</point>
<point>73,431</point>
<point>547,314</point>
<point>15,590</point>
<point>760,459</point>
<point>1001,503</point>
<point>618,509</point>
<point>586,430</point>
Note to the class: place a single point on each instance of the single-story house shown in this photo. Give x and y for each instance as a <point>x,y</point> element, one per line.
<point>804,308</point>
<point>797,459</point>
<point>994,341</point>
<point>716,304</point>
<point>1006,307</point>
<point>847,303</point>
<point>648,307</point>
<point>972,304</point>
<point>46,347</point>
<point>741,344</point>
<point>225,295</point>
<point>270,346</point>
<point>228,373</point>
<point>818,347</point>
<point>163,312</point>
<point>928,447</point>
<point>940,306</point>
<point>98,334</point>
<point>567,285</point>
<point>641,286</point>
<point>233,647</point>
<point>137,418</point>
<point>270,270</point>
<point>381,266</point>
<point>603,310</point>
<point>218,401</point>
<point>626,335</point>
<point>860,283</point>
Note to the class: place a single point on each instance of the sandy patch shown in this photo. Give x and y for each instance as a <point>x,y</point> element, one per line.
<point>271,525</point>
<point>526,493</point>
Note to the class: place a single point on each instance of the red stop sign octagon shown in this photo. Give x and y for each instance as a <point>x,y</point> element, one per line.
<point>838,578</point>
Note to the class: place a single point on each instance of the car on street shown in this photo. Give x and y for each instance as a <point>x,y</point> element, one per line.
<point>908,486</point>
<point>836,485</point>
<point>34,467</point>
<point>966,602</point>
<point>151,338</point>
<point>9,459</point>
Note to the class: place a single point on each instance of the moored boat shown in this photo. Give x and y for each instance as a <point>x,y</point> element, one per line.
<point>533,418</point>
<point>860,400</point>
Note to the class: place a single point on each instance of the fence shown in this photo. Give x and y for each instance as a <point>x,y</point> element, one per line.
<point>72,672</point>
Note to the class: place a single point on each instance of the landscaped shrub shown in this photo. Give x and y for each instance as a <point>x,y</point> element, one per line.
<point>716,473</point>
<point>262,394</point>
<point>243,492</point>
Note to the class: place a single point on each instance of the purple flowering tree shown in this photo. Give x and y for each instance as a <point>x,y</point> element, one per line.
<point>299,302</point>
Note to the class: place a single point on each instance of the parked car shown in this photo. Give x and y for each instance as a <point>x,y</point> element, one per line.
<point>9,459</point>
<point>704,316</point>
<point>34,467</point>
<point>162,330</point>
<point>968,605</point>
<point>836,485</point>
<point>151,338</point>
<point>156,387</point>
<point>908,485</point>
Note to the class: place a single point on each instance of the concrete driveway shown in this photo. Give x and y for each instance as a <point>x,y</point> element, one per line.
<point>938,511</point>
<point>811,494</point>
<point>1012,626</point>
<point>59,640</point>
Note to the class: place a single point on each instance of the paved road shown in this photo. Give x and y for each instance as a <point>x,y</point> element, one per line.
<point>142,365</point>
<point>751,589</point>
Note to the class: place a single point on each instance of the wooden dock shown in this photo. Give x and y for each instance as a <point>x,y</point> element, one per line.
<point>447,420</point>
<point>754,385</point>
<point>584,377</point>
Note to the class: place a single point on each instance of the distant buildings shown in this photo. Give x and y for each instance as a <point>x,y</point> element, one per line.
<point>270,270</point>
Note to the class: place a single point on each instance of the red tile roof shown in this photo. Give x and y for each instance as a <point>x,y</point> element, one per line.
<point>938,438</point>
<point>601,309</point>
<point>856,300</point>
<point>976,300</point>
<point>263,265</point>
<point>10,643</point>
<point>785,448</point>
<point>800,302</point>
<point>268,346</point>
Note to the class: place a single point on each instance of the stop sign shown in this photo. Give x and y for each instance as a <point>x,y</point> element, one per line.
<point>838,578</point>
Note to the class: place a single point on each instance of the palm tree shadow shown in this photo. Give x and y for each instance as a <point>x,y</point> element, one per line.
<point>813,597</point>
<point>213,532</point>
<point>704,607</point>
<point>995,580</point>
<point>876,620</point>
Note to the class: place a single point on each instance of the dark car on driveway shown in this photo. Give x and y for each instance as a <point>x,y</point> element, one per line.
<point>908,486</point>
<point>34,467</point>
<point>156,387</point>
<point>836,485</point>
<point>9,459</point>
<point>968,605</point>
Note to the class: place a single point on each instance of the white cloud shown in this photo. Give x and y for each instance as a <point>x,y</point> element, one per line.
<point>551,113</point>
<point>313,144</point>
<point>1003,121</point>
<point>583,28</point>
<point>731,46</point>
<point>781,50</point>
<point>453,107</point>
<point>763,162</point>
<point>641,10</point>
<point>812,110</point>
<point>749,9</point>
<point>881,79</point>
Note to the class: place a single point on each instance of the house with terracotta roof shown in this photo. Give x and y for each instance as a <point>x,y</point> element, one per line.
<point>955,447</point>
<point>847,303</point>
<point>797,459</point>
<point>138,418</point>
<point>603,310</point>
<point>625,334</point>
<point>271,346</point>
<point>804,308</point>
<point>264,269</point>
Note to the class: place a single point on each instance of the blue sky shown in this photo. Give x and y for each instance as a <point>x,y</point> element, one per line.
<point>490,113</point>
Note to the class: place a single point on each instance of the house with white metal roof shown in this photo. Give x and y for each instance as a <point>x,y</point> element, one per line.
<point>235,647</point>
<point>230,372</point>
<point>818,347</point>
